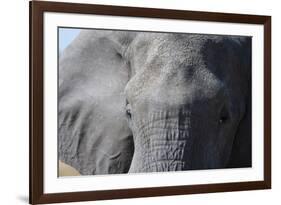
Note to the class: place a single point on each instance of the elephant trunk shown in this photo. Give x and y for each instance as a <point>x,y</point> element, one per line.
<point>162,143</point>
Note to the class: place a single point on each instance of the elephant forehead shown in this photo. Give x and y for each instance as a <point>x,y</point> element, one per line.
<point>164,56</point>
<point>174,66</point>
<point>166,47</point>
<point>174,90</point>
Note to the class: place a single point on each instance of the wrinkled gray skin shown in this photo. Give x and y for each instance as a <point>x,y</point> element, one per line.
<point>145,102</point>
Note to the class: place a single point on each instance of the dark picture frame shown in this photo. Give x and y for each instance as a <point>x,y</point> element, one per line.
<point>36,192</point>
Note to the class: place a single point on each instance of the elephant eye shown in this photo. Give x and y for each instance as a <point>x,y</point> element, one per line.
<point>224,115</point>
<point>223,119</point>
<point>129,114</point>
<point>119,55</point>
<point>128,110</point>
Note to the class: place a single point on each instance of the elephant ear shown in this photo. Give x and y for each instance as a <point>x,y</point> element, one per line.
<point>93,135</point>
<point>241,155</point>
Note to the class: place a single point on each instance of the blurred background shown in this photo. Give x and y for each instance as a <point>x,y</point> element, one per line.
<point>66,36</point>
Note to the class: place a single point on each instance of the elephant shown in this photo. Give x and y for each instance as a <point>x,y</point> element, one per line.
<point>137,101</point>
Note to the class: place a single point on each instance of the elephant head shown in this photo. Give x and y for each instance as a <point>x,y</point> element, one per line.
<point>144,102</point>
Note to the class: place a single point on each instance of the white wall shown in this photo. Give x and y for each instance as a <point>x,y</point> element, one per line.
<point>14,102</point>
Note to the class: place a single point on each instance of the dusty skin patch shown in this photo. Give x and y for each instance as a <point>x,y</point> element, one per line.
<point>66,170</point>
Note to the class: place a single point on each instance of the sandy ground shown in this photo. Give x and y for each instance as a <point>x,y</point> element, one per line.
<point>66,170</point>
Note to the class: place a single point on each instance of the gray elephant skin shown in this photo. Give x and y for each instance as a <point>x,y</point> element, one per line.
<point>153,102</point>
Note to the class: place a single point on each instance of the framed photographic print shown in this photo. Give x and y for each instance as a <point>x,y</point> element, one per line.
<point>137,102</point>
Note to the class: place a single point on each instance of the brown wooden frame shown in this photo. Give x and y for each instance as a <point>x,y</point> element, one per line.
<point>37,8</point>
